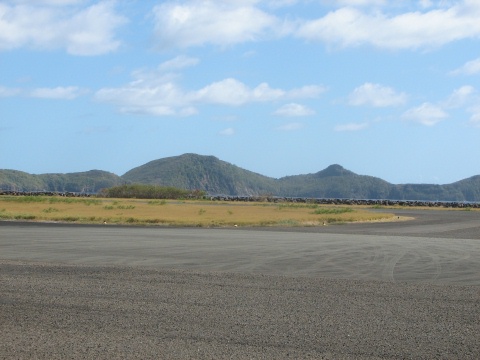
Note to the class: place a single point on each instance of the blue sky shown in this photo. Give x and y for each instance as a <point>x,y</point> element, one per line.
<point>384,88</point>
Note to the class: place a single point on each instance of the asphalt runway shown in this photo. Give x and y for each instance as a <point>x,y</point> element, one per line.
<point>439,247</point>
<point>357,291</point>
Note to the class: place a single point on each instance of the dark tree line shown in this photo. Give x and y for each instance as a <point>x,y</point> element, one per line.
<point>139,191</point>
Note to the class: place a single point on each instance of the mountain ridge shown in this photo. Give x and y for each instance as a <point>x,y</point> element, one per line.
<point>209,173</point>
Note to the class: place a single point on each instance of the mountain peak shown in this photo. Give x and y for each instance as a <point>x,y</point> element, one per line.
<point>192,171</point>
<point>334,170</point>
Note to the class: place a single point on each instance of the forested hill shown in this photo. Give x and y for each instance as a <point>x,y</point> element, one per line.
<point>192,171</point>
<point>208,173</point>
<point>87,182</point>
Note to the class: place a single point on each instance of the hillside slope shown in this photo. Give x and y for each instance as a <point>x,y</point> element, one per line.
<point>335,182</point>
<point>192,171</point>
<point>217,177</point>
<point>89,181</point>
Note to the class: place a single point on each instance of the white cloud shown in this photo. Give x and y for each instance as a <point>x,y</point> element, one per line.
<point>153,92</point>
<point>194,23</point>
<point>281,3</point>
<point>290,126</point>
<point>6,92</point>
<point>227,132</point>
<point>308,91</point>
<point>60,92</point>
<point>470,68</point>
<point>87,30</point>
<point>188,111</point>
<point>360,2</point>
<point>475,118</point>
<point>139,97</point>
<point>425,114</point>
<point>178,63</point>
<point>49,2</point>
<point>228,92</point>
<point>348,26</point>
<point>158,93</point>
<point>376,95</point>
<point>231,91</point>
<point>294,109</point>
<point>459,97</point>
<point>425,3</point>
<point>351,127</point>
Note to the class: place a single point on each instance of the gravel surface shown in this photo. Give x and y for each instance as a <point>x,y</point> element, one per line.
<point>53,311</point>
<point>405,290</point>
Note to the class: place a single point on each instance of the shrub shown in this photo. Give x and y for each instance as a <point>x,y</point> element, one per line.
<point>150,192</point>
<point>322,211</point>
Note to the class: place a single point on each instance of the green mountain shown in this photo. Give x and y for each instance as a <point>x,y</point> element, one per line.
<point>463,190</point>
<point>89,182</point>
<point>192,171</point>
<point>208,173</point>
<point>335,182</point>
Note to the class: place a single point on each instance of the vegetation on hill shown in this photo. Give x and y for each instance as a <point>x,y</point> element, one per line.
<point>192,171</point>
<point>217,177</point>
<point>139,191</point>
<point>20,181</point>
<point>81,182</point>
<point>335,182</point>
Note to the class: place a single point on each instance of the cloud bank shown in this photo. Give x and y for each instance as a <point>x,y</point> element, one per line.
<point>47,25</point>
<point>81,27</point>
<point>158,93</point>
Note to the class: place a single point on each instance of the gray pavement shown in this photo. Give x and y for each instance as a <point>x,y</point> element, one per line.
<point>439,247</point>
<point>360,291</point>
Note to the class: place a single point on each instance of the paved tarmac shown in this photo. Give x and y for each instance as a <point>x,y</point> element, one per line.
<point>358,291</point>
<point>439,247</point>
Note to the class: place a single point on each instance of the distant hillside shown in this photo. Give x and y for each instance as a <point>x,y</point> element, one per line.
<point>192,171</point>
<point>463,190</point>
<point>335,182</point>
<point>217,177</point>
<point>89,181</point>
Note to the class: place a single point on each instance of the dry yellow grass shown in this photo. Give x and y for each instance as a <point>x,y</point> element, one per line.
<point>180,213</point>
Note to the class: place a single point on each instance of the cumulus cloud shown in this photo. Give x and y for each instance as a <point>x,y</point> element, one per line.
<point>158,93</point>
<point>194,23</point>
<point>308,91</point>
<point>80,30</point>
<point>294,109</point>
<point>459,97</point>
<point>380,23</point>
<point>351,127</point>
<point>376,95</point>
<point>352,26</point>
<point>233,92</point>
<point>464,98</point>
<point>425,3</point>
<point>90,28</point>
<point>360,2</point>
<point>475,118</point>
<point>469,68</point>
<point>160,99</point>
<point>60,92</point>
<point>6,92</point>
<point>49,2</point>
<point>426,114</point>
<point>178,63</point>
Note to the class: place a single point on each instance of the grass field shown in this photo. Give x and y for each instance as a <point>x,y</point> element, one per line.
<point>179,213</point>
